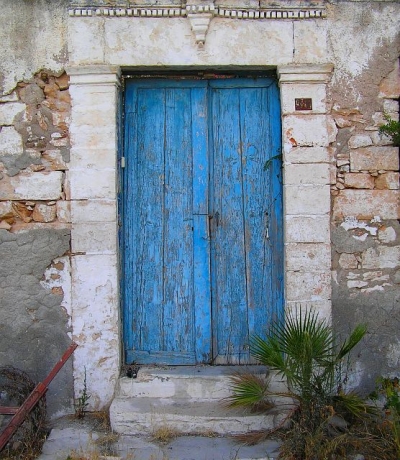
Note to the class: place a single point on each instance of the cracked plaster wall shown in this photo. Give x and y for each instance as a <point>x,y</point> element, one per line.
<point>35,275</point>
<point>365,229</point>
<point>33,324</point>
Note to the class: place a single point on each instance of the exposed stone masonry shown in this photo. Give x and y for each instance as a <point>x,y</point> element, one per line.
<point>35,275</point>
<point>34,135</point>
<point>366,232</point>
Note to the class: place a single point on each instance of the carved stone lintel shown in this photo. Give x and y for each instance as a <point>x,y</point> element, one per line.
<point>200,23</point>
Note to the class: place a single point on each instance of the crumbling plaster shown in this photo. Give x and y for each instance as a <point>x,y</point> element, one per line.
<point>32,37</point>
<point>365,183</point>
<point>33,326</point>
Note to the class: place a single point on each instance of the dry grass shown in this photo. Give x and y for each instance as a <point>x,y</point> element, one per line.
<point>164,434</point>
<point>27,441</point>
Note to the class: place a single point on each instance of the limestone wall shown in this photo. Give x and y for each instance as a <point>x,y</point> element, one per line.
<point>34,214</point>
<point>365,233</point>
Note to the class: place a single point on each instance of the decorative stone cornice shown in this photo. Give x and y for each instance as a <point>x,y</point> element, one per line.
<point>200,13</point>
<point>224,12</point>
<point>94,75</point>
<point>305,73</point>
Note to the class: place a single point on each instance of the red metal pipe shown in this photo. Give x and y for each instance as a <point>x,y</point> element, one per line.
<point>31,401</point>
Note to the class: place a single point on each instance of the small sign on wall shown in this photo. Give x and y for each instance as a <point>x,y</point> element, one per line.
<point>303,103</point>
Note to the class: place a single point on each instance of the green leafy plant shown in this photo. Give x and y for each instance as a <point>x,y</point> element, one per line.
<point>81,403</point>
<point>391,129</point>
<point>303,351</point>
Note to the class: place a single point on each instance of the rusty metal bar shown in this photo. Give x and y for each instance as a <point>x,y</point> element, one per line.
<point>8,410</point>
<point>33,399</point>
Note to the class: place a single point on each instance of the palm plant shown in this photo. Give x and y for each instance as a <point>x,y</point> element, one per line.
<point>303,351</point>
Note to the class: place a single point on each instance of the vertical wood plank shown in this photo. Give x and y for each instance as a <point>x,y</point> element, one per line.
<point>229,262</point>
<point>201,237</point>
<point>178,224</point>
<point>148,325</point>
<point>256,138</point>
<point>276,192</point>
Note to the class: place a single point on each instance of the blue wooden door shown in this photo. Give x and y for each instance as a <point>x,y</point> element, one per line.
<point>202,219</point>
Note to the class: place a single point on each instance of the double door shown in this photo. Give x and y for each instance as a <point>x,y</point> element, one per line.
<point>202,218</point>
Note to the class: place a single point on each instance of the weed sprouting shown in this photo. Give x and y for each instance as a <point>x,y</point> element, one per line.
<point>81,403</point>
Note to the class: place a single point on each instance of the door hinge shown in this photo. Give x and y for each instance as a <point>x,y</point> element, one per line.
<point>122,162</point>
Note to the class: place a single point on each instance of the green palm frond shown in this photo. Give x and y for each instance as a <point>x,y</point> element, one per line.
<point>353,339</point>
<point>248,390</point>
<point>353,403</point>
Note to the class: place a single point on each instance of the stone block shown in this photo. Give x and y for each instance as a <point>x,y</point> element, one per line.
<point>322,307</point>
<point>359,180</point>
<point>63,211</point>
<point>308,256</point>
<point>348,261</point>
<point>360,140</point>
<point>5,208</point>
<point>102,137</point>
<point>12,97</point>
<point>366,204</point>
<point>310,41</point>
<point>94,137</point>
<point>32,186</point>
<point>312,155</point>
<point>305,130</point>
<point>93,238</point>
<point>10,142</point>
<point>390,106</point>
<point>93,158</point>
<point>308,286</point>
<point>44,213</point>
<point>98,97</point>
<point>387,234</point>
<point>374,159</point>
<point>311,200</point>
<point>307,229</point>
<point>54,160</point>
<point>389,180</point>
<point>61,119</point>
<point>390,86</point>
<point>92,117</point>
<point>93,211</point>
<point>302,174</point>
<point>380,138</point>
<point>381,257</point>
<point>86,184</point>
<point>9,111</point>
<point>316,92</point>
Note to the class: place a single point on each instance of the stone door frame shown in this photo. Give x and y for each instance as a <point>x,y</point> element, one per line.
<point>92,182</point>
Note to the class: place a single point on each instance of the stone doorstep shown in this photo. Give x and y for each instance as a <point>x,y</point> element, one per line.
<point>138,416</point>
<point>188,382</point>
<point>187,399</point>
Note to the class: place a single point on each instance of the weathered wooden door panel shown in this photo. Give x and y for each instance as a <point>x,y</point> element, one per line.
<point>195,154</point>
<point>244,276</point>
<point>162,194</point>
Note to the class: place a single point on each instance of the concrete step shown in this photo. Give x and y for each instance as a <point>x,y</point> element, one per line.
<point>188,400</point>
<point>140,416</point>
<point>75,436</point>
<point>187,382</point>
